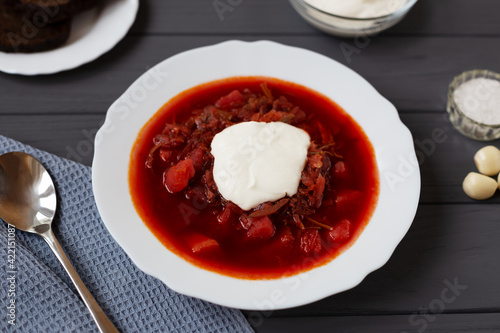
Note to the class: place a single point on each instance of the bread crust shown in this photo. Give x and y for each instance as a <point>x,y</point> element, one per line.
<point>22,33</point>
<point>53,10</point>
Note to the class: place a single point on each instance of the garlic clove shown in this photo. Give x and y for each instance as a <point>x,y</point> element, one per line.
<point>478,186</point>
<point>487,160</point>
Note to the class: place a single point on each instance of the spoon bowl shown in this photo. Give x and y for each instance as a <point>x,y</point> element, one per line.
<point>28,202</point>
<point>27,194</point>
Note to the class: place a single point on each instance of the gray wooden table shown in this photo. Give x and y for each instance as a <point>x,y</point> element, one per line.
<point>445,274</point>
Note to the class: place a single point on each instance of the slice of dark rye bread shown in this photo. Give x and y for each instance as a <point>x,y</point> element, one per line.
<point>19,33</point>
<point>51,11</point>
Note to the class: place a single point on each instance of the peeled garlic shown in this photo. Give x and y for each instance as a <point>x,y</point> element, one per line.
<point>479,187</point>
<point>487,160</point>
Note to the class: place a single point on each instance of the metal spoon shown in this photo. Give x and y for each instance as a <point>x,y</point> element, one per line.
<point>28,202</point>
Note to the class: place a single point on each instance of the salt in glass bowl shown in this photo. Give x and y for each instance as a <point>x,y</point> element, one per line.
<point>464,124</point>
<point>343,26</point>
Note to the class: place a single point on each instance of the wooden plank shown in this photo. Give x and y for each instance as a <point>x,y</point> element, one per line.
<point>63,135</point>
<point>436,323</point>
<point>446,245</point>
<point>446,242</point>
<point>453,240</point>
<point>414,75</point>
<point>452,17</point>
<point>445,155</point>
<point>202,17</point>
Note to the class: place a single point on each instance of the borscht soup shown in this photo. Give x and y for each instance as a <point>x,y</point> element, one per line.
<point>254,177</point>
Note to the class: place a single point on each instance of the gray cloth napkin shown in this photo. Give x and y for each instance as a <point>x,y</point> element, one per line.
<point>45,299</point>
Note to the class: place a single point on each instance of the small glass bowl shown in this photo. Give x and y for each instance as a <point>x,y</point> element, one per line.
<point>343,26</point>
<point>465,125</point>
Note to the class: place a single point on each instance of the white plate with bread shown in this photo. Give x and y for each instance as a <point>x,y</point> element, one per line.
<point>43,39</point>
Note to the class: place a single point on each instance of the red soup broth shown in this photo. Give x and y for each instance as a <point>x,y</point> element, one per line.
<point>350,195</point>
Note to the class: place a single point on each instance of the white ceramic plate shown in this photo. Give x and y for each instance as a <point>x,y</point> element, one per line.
<point>93,33</point>
<point>399,172</point>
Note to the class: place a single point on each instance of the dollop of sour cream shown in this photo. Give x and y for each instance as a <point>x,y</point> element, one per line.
<point>257,162</point>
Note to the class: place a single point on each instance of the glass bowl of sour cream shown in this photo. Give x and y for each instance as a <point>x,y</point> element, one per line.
<point>352,18</point>
<point>474,104</point>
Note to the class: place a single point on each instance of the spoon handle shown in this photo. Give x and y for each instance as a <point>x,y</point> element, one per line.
<point>101,320</point>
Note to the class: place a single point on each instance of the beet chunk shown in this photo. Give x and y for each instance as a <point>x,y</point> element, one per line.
<point>177,177</point>
<point>310,242</point>
<point>340,232</point>
<point>231,100</point>
<point>261,228</point>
